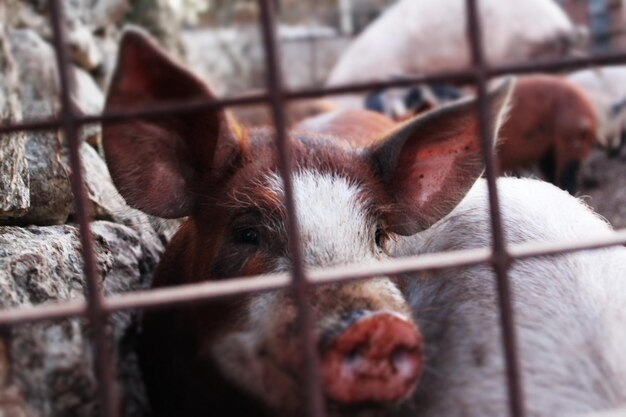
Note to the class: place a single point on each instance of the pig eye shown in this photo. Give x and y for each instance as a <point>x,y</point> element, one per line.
<point>247,236</point>
<point>379,237</point>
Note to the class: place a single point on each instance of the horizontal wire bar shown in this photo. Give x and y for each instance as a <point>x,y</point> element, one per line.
<point>166,108</point>
<point>179,107</point>
<point>200,292</point>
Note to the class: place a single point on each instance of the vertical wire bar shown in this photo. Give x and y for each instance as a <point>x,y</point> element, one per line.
<point>300,285</point>
<point>96,314</point>
<point>501,258</point>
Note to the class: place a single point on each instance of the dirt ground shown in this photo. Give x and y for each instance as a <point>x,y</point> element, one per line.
<point>603,186</point>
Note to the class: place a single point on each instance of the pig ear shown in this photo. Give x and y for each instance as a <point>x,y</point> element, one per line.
<point>157,163</point>
<point>429,163</point>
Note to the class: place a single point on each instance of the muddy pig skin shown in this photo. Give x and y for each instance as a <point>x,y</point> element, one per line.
<point>361,183</point>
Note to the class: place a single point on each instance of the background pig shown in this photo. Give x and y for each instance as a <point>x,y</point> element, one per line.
<point>423,36</point>
<point>552,124</point>
<point>570,310</point>
<point>242,356</point>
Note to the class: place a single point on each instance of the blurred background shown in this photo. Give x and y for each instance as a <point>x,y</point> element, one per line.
<point>338,42</point>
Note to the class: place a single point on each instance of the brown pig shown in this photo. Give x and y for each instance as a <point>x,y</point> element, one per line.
<point>241,356</point>
<point>553,124</point>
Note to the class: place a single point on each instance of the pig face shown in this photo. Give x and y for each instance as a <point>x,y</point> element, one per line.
<point>341,213</point>
<point>243,355</point>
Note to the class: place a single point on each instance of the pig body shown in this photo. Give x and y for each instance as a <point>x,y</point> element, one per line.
<point>569,310</point>
<point>423,36</point>
<point>552,124</point>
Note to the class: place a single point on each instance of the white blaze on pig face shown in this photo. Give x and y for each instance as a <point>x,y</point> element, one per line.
<point>263,353</point>
<point>336,226</point>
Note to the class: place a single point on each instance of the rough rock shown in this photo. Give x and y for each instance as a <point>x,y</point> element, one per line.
<point>37,63</point>
<point>87,95</point>
<point>106,13</point>
<point>52,361</point>
<point>232,59</point>
<point>39,79</point>
<point>46,368</point>
<point>158,18</point>
<point>12,403</point>
<point>14,180</point>
<point>50,190</point>
<point>89,100</point>
<point>81,43</point>
<point>50,193</point>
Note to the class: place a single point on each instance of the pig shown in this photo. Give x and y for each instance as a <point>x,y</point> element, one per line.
<point>366,189</point>
<point>416,37</point>
<point>552,124</point>
<point>242,356</point>
<point>569,309</point>
<point>606,87</point>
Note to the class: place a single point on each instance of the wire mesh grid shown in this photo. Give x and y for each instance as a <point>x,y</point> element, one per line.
<point>500,256</point>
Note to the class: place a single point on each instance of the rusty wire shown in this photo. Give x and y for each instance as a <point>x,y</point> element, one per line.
<point>97,308</point>
<point>187,106</point>
<point>97,316</point>
<point>314,398</point>
<point>501,259</point>
<point>206,291</point>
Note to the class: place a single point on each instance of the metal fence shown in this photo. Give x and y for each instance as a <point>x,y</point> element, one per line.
<point>97,308</point>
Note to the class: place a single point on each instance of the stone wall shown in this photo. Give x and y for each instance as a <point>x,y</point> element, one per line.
<point>46,369</point>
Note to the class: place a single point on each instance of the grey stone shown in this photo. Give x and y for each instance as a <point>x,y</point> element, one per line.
<point>230,59</point>
<point>12,403</point>
<point>14,179</point>
<point>50,193</point>
<point>87,95</point>
<point>105,13</point>
<point>83,46</point>
<point>50,189</point>
<point>89,100</point>
<point>21,13</point>
<point>39,78</point>
<point>52,361</point>
<point>161,20</point>
<point>49,365</point>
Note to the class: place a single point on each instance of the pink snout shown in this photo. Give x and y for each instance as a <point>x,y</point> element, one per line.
<point>377,359</point>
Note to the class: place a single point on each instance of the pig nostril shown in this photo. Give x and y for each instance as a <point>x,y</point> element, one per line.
<point>403,360</point>
<point>354,355</point>
<point>355,359</point>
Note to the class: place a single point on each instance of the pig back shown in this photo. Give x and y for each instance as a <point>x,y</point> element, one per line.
<point>356,127</point>
<point>568,310</point>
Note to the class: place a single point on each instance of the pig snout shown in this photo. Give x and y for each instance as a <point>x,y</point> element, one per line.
<point>376,359</point>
